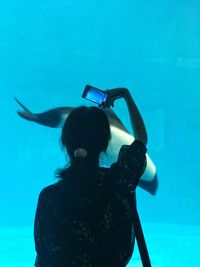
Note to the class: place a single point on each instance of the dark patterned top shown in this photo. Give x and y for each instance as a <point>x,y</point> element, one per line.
<point>86,222</point>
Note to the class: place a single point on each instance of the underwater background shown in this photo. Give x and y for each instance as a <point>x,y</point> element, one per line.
<point>49,51</point>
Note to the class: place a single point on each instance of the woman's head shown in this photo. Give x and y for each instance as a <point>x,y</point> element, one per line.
<point>87,128</point>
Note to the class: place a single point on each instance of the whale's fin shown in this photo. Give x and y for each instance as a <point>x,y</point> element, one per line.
<point>52,118</point>
<point>26,113</point>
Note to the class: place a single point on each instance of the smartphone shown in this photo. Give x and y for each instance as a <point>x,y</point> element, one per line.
<point>94,94</point>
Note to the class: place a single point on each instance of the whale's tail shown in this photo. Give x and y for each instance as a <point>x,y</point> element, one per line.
<point>26,113</point>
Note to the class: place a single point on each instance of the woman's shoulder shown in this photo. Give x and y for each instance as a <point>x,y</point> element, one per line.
<point>50,190</point>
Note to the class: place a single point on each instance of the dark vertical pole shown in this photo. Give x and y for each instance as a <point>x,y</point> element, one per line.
<point>139,235</point>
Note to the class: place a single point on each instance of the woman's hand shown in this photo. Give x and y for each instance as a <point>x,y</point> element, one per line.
<point>137,123</point>
<point>114,94</point>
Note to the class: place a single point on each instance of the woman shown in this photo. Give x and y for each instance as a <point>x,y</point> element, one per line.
<point>84,219</point>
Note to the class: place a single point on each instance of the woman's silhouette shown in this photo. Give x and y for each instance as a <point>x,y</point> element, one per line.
<point>84,219</point>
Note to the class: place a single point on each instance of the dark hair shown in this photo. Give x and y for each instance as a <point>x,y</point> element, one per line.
<point>85,127</point>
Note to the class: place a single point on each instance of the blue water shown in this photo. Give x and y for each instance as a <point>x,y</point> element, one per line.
<point>49,50</point>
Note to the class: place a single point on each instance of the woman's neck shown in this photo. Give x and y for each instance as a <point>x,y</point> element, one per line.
<point>86,162</point>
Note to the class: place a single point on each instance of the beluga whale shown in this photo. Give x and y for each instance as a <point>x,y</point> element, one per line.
<point>120,135</point>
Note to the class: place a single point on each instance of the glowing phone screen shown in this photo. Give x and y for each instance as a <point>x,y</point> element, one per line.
<point>96,95</point>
